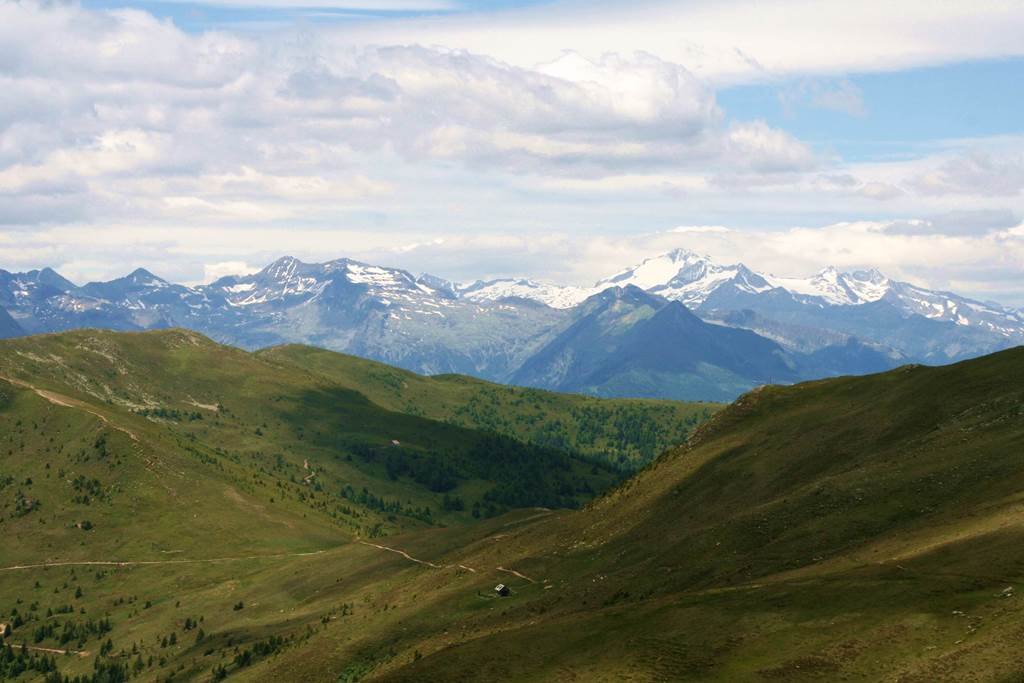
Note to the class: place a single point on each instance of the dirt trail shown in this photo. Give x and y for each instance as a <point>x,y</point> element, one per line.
<point>152,464</point>
<point>513,572</point>
<point>409,557</point>
<point>402,553</point>
<point>137,563</point>
<point>80,653</point>
<point>68,402</point>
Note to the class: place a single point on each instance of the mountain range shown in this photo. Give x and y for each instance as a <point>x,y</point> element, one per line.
<point>678,325</point>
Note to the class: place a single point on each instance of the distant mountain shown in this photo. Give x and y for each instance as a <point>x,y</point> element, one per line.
<point>905,320</point>
<point>625,341</point>
<point>545,334</point>
<point>382,313</point>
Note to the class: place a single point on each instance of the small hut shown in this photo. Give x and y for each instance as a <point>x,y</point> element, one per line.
<point>502,590</point>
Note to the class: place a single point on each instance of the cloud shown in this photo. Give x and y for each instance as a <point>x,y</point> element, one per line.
<point>879,191</point>
<point>980,173</point>
<point>700,230</point>
<point>122,135</point>
<point>115,114</point>
<point>977,222</point>
<point>760,148</point>
<point>215,271</point>
<point>737,41</point>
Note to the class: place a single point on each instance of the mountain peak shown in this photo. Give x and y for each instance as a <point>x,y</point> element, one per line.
<point>49,276</point>
<point>627,293</point>
<point>659,270</point>
<point>282,268</point>
<point>143,276</point>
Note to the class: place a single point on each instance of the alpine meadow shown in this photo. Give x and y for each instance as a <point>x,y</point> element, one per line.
<point>525,341</point>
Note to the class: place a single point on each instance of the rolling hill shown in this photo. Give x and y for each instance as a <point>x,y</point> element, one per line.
<point>167,389</point>
<point>628,433</point>
<point>858,528</point>
<point>136,468</point>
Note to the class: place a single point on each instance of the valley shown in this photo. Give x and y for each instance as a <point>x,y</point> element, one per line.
<point>859,528</point>
<point>141,467</point>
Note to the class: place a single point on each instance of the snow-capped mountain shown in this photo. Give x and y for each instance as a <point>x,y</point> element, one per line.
<point>289,280</point>
<point>832,287</point>
<point>685,276</point>
<point>828,323</point>
<point>383,313</point>
<point>705,286</point>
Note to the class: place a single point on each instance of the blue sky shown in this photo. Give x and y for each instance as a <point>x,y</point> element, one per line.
<point>196,17</point>
<point>903,111</point>
<point>560,140</point>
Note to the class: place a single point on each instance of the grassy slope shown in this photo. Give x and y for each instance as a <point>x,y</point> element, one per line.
<point>627,432</point>
<point>104,428</point>
<point>271,416</point>
<point>859,528</point>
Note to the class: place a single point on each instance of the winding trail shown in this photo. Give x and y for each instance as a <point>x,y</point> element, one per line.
<point>80,653</point>
<point>142,563</point>
<point>152,463</point>
<point>402,553</point>
<point>426,563</point>
<point>68,402</point>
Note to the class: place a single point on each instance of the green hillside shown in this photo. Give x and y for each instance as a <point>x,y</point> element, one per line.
<point>852,529</point>
<point>626,432</point>
<point>862,528</point>
<point>137,469</point>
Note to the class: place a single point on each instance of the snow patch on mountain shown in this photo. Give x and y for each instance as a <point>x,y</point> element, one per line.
<point>555,296</point>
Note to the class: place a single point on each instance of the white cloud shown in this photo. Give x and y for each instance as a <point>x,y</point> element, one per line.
<point>760,148</point>
<point>969,223</point>
<point>978,173</point>
<point>115,114</point>
<point>880,191</point>
<point>215,271</point>
<point>732,40</point>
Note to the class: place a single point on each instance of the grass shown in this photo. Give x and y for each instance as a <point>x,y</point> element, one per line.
<point>218,476</point>
<point>850,529</point>
<point>626,432</point>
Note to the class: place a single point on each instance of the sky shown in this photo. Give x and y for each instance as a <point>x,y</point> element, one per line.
<point>558,140</point>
